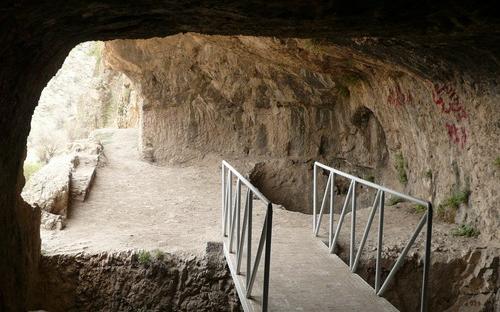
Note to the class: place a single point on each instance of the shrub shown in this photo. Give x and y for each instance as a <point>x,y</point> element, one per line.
<point>465,230</point>
<point>30,169</point>
<point>456,199</point>
<point>144,257</point>
<point>159,255</point>
<point>428,174</point>
<point>400,166</point>
<point>447,209</point>
<point>419,208</point>
<point>395,200</point>
<point>497,162</point>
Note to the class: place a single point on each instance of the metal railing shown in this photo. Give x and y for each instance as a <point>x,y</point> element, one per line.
<point>378,204</point>
<point>239,231</point>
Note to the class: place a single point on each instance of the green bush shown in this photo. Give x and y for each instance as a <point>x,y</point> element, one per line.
<point>447,208</point>
<point>428,174</point>
<point>465,230</point>
<point>159,255</point>
<point>395,200</point>
<point>401,166</point>
<point>497,162</point>
<point>419,208</point>
<point>461,197</point>
<point>144,257</point>
<point>30,169</point>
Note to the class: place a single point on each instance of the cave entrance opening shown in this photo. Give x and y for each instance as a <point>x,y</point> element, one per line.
<point>96,184</point>
<point>77,113</point>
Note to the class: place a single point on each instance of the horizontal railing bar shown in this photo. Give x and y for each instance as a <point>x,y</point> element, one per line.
<point>372,185</point>
<point>246,182</point>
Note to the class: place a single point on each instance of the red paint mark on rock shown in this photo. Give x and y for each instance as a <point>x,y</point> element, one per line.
<point>445,96</point>
<point>457,134</point>
<point>449,103</point>
<point>398,97</point>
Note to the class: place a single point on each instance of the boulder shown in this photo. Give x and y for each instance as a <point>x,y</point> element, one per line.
<point>49,187</point>
<point>50,221</point>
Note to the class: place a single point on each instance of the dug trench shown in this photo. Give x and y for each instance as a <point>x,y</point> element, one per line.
<point>128,281</point>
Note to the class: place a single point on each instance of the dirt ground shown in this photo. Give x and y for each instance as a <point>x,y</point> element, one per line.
<point>134,204</point>
<point>137,205</point>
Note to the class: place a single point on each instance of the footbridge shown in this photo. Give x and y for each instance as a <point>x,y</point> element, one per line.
<point>282,266</point>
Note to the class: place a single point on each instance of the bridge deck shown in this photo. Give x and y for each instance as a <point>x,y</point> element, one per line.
<point>304,276</point>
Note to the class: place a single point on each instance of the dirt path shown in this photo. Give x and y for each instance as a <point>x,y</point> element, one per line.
<point>137,205</point>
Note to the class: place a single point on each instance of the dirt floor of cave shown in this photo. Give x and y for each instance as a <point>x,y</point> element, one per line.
<point>134,204</point>
<point>137,205</point>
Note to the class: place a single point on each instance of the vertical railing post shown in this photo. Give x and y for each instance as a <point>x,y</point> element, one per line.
<point>315,173</point>
<point>367,230</point>
<point>223,199</point>
<point>235,220</point>
<point>229,214</point>
<point>227,202</point>
<point>427,261</point>
<point>341,218</point>
<point>239,252</point>
<point>249,238</point>
<point>267,257</point>
<point>353,225</point>
<point>323,202</point>
<point>238,211</point>
<point>332,207</point>
<point>379,239</point>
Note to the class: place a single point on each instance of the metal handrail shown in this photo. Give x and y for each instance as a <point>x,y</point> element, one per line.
<point>231,220</point>
<point>378,203</point>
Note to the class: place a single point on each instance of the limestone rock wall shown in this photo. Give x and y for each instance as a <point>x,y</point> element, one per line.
<point>418,123</point>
